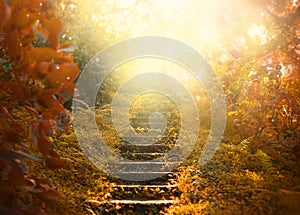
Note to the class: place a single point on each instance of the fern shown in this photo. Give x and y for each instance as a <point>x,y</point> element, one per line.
<point>267,164</point>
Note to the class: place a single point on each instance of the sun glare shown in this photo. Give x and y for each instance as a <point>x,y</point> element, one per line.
<point>207,26</point>
<point>195,22</point>
<point>258,32</point>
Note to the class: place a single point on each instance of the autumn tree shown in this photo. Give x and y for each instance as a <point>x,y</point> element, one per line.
<point>37,76</point>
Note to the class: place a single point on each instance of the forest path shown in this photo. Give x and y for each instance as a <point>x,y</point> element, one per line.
<point>138,194</point>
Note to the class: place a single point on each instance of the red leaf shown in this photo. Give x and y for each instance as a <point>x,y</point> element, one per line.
<point>50,194</point>
<point>16,176</point>
<point>30,209</point>
<point>44,181</point>
<point>11,136</point>
<point>17,90</point>
<point>8,155</point>
<point>54,162</point>
<point>47,127</point>
<point>49,105</point>
<point>53,154</point>
<point>11,155</point>
<point>5,111</point>
<point>33,132</point>
<point>27,155</point>
<point>32,110</point>
<point>44,145</point>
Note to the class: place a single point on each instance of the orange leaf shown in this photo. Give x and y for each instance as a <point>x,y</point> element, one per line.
<point>50,107</point>
<point>5,14</point>
<point>17,90</point>
<point>41,30</point>
<point>14,49</point>
<point>63,58</point>
<point>16,5</point>
<point>67,91</point>
<point>33,3</point>
<point>63,74</point>
<point>28,36</point>
<point>22,18</point>
<point>54,27</point>
<point>41,69</point>
<point>47,102</point>
<point>41,54</point>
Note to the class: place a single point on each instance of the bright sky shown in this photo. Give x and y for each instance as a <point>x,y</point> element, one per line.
<point>207,26</point>
<point>200,23</point>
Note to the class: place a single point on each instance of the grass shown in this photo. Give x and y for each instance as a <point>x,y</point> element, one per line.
<point>239,179</point>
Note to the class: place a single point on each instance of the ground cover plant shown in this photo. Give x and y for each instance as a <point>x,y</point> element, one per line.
<point>45,45</point>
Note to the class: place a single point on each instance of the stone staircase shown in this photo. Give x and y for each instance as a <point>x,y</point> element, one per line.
<point>141,195</point>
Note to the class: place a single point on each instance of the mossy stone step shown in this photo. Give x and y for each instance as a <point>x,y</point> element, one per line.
<point>143,186</point>
<point>147,124</point>
<point>142,202</point>
<point>146,192</point>
<point>141,156</point>
<point>140,176</point>
<point>142,148</point>
<point>144,140</point>
<point>144,137</point>
<point>143,166</point>
<point>146,119</point>
<point>141,195</point>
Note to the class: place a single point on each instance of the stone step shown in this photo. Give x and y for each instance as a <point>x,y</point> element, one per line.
<point>148,129</point>
<point>143,186</point>
<point>169,179</point>
<point>141,202</point>
<point>131,207</point>
<point>142,156</point>
<point>141,176</point>
<point>150,138</point>
<point>146,166</point>
<point>147,124</point>
<point>141,140</point>
<point>150,109</point>
<point>145,119</point>
<point>142,148</point>
<point>144,193</point>
<point>168,189</point>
